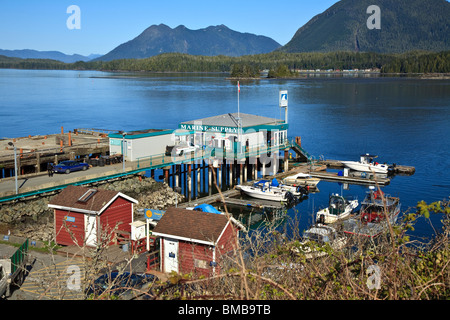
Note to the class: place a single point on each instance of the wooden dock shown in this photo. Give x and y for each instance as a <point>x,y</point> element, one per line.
<point>333,176</point>
<point>34,152</point>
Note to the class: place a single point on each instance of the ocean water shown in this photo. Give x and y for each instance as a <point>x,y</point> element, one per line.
<point>402,120</point>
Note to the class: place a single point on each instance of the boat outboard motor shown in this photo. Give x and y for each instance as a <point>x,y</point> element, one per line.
<point>301,190</point>
<point>289,197</point>
<point>322,219</point>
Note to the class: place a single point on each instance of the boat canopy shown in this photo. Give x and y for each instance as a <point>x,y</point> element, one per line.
<point>273,183</point>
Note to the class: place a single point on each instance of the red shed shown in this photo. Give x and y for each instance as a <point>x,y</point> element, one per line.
<point>194,241</point>
<point>84,215</point>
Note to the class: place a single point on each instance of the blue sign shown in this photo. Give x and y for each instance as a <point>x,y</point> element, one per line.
<point>283,99</point>
<point>153,214</point>
<point>69,219</point>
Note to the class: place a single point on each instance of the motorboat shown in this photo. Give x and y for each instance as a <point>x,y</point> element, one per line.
<point>377,211</point>
<point>338,208</point>
<point>265,191</point>
<point>297,191</point>
<point>318,236</point>
<point>366,164</point>
<point>301,179</point>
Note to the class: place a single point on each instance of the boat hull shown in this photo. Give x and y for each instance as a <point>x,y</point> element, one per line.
<point>263,195</point>
<point>357,166</point>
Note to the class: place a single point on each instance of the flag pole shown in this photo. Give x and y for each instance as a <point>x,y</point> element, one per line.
<point>239,90</point>
<point>239,119</point>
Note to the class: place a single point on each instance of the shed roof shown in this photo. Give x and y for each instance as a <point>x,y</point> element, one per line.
<point>229,120</point>
<point>190,225</point>
<point>94,202</point>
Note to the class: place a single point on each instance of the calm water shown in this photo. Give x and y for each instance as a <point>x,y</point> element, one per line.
<point>403,120</point>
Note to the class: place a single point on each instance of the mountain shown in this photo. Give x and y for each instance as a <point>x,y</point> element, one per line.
<point>53,55</point>
<point>406,25</point>
<point>210,41</point>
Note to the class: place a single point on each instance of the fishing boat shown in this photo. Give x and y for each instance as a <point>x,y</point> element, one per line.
<point>338,208</point>
<point>377,211</point>
<point>301,179</point>
<point>366,164</point>
<point>319,236</point>
<point>265,191</point>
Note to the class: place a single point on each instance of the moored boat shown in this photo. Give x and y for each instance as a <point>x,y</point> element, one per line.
<point>263,190</point>
<point>319,236</point>
<point>374,216</point>
<point>366,164</point>
<point>301,179</point>
<point>338,208</point>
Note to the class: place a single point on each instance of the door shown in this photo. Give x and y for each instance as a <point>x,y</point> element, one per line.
<point>170,255</point>
<point>90,230</point>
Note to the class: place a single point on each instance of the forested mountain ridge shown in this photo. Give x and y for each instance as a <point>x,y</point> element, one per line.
<point>411,62</point>
<point>405,25</point>
<point>210,41</point>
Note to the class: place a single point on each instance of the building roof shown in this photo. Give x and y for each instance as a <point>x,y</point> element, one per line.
<point>230,120</point>
<point>86,200</point>
<point>141,133</point>
<point>193,226</point>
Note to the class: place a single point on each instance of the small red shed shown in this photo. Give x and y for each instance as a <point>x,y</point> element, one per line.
<point>194,241</point>
<point>84,215</point>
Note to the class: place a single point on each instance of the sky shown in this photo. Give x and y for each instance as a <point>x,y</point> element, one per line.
<point>104,24</point>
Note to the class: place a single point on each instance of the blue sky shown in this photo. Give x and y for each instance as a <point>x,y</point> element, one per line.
<point>105,24</point>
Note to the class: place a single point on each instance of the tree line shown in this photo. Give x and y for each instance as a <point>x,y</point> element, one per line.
<point>278,63</point>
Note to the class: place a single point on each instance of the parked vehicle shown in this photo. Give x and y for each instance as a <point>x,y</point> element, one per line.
<point>180,149</point>
<point>122,284</point>
<point>70,165</point>
<point>12,270</point>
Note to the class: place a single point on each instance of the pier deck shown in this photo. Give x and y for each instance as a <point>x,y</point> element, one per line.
<point>34,152</point>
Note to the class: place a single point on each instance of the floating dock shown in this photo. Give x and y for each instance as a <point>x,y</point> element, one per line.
<point>334,176</point>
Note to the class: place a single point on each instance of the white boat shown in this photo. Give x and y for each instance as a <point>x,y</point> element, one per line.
<point>297,191</point>
<point>316,237</point>
<point>366,164</point>
<point>301,179</point>
<point>338,208</point>
<point>264,191</point>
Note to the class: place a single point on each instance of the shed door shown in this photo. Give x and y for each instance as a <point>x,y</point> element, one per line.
<point>90,229</point>
<point>170,255</point>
